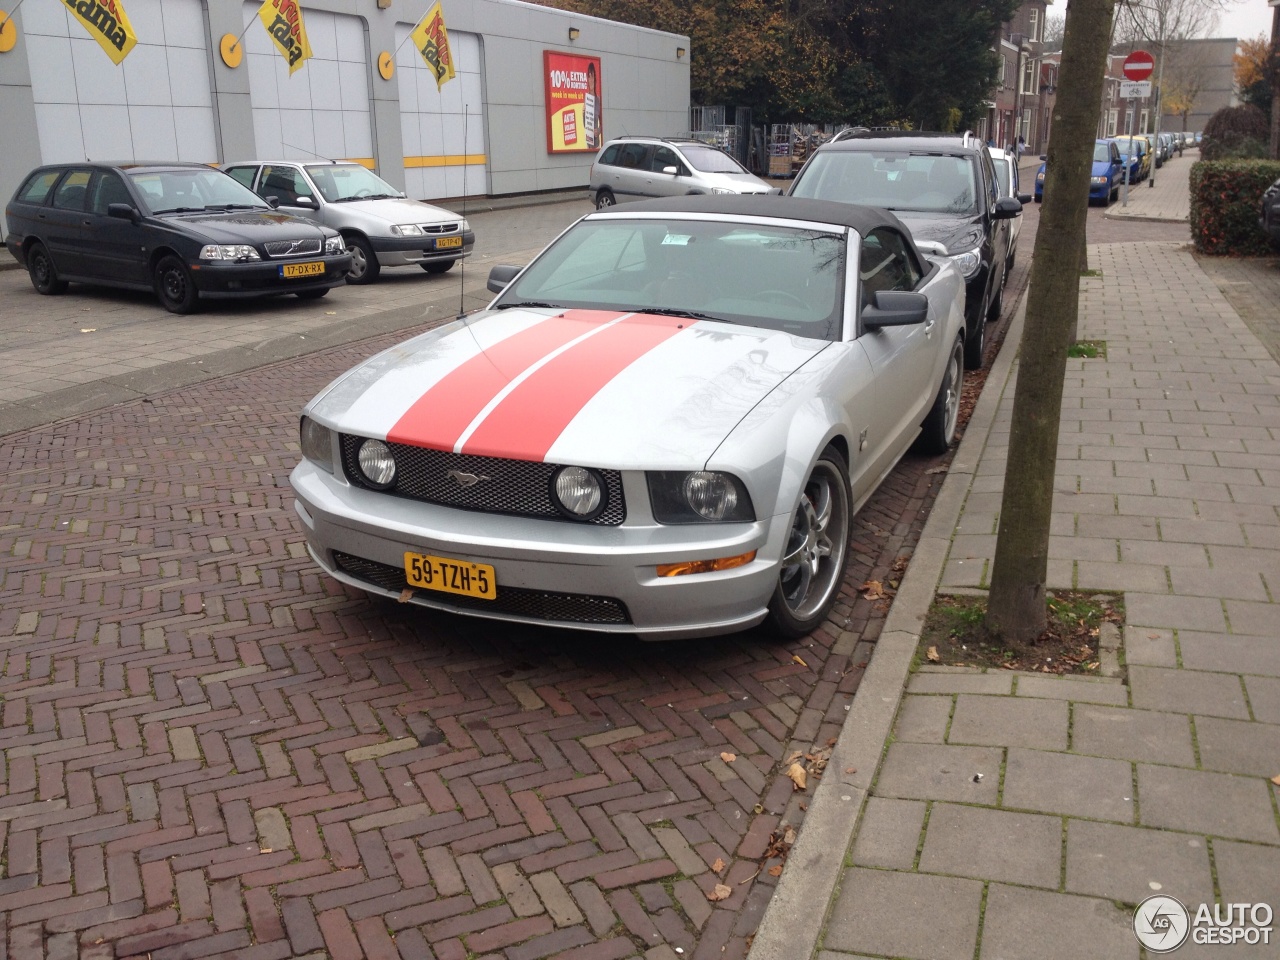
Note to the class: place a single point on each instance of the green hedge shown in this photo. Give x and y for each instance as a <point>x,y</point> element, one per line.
<point>1226,196</point>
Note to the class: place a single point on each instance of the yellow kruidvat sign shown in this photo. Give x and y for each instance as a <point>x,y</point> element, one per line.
<point>432,41</point>
<point>106,22</point>
<point>283,22</point>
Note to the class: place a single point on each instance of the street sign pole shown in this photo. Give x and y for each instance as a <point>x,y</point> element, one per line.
<point>1137,67</point>
<point>1159,104</point>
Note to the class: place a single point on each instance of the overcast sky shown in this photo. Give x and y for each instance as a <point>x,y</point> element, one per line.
<point>1244,19</point>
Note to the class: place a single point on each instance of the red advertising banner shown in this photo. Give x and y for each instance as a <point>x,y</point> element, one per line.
<point>574,114</point>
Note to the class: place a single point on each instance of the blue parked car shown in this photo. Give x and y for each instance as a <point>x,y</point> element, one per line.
<point>1106,176</point>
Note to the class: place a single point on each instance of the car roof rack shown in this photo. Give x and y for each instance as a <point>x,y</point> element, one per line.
<point>642,136</point>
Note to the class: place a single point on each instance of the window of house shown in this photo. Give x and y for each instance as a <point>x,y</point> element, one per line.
<point>1035,24</point>
<point>1029,76</point>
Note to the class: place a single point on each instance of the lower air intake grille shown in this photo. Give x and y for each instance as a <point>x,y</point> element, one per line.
<point>516,601</point>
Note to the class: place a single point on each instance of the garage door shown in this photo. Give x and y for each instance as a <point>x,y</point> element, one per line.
<point>89,108</point>
<point>443,130</point>
<point>323,109</point>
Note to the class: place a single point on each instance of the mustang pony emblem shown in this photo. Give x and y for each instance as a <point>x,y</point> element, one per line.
<point>466,479</point>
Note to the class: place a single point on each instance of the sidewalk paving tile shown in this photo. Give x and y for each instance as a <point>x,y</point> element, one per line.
<point>1236,746</point>
<point>924,719</point>
<point>1054,926</point>
<point>889,833</point>
<point>1233,654</point>
<point>1217,804</point>
<point>1126,734</point>
<point>928,682</point>
<point>906,915</point>
<point>1188,691</point>
<point>1248,873</point>
<point>1129,864</point>
<point>1009,722</point>
<point>1191,613</point>
<point>1074,786</point>
<point>1264,697</point>
<point>992,844</point>
<point>1149,646</point>
<point>921,771</point>
<point>1072,688</point>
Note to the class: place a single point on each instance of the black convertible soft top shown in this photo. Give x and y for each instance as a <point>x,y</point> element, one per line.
<point>861,219</point>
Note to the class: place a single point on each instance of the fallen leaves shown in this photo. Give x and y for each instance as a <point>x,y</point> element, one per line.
<point>720,892</point>
<point>798,776</point>
<point>775,870</point>
<point>798,659</point>
<point>718,866</point>
<point>1276,780</point>
<point>728,757</point>
<point>872,590</point>
<point>405,595</point>
<point>932,655</point>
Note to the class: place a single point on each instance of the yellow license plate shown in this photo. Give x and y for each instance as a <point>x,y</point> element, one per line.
<point>291,270</point>
<point>446,242</point>
<point>451,576</point>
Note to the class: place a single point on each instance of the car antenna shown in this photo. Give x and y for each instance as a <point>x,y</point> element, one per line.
<point>462,265</point>
<point>291,146</point>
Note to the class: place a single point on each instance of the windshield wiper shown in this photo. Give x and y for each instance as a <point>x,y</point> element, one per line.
<point>372,196</point>
<point>179,210</point>
<point>235,206</point>
<point>678,312</point>
<point>528,303</point>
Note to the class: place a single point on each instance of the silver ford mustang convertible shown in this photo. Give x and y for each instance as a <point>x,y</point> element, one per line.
<point>662,426</point>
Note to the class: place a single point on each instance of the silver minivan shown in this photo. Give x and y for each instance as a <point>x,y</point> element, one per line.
<point>632,168</point>
<point>381,226</point>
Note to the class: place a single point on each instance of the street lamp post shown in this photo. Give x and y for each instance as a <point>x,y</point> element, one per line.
<point>1159,104</point>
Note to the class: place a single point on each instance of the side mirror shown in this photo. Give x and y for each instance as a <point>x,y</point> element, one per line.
<point>1007,208</point>
<point>895,308</point>
<point>1024,198</point>
<point>307,203</point>
<point>500,276</point>
<point>122,211</point>
<point>1044,156</point>
<point>671,171</point>
<point>272,202</point>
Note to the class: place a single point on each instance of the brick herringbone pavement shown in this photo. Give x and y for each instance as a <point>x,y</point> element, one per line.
<point>211,749</point>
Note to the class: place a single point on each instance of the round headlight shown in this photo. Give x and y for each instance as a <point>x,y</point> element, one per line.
<point>710,495</point>
<point>578,491</point>
<point>376,463</point>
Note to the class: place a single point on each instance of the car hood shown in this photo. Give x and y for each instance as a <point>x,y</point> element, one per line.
<point>399,210</point>
<point>954,233</point>
<point>1101,168</point>
<point>587,387</point>
<point>245,226</point>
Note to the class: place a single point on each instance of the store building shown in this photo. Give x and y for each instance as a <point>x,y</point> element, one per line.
<point>191,90</point>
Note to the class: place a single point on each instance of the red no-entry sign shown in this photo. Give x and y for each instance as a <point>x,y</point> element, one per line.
<point>1138,65</point>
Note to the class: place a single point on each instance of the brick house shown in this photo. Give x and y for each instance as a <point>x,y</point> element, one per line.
<point>1027,77</point>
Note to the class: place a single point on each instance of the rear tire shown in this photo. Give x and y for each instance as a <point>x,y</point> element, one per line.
<point>174,286</point>
<point>813,562</point>
<point>438,266</point>
<point>44,275</point>
<point>605,199</point>
<point>974,345</point>
<point>938,431</point>
<point>364,262</point>
<point>997,302</point>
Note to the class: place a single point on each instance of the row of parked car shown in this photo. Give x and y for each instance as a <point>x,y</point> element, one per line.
<point>1112,155</point>
<point>190,232</point>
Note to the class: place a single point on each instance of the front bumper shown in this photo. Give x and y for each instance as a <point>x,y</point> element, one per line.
<point>1100,191</point>
<point>554,573</point>
<point>407,251</point>
<point>221,281</point>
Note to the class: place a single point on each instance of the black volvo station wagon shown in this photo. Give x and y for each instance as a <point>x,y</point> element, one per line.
<point>183,230</point>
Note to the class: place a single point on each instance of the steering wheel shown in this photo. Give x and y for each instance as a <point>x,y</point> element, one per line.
<point>365,192</point>
<point>782,296</point>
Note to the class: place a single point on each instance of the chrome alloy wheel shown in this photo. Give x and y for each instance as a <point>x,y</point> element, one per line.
<point>813,563</point>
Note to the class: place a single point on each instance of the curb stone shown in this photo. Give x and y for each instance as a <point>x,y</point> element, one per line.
<point>797,911</point>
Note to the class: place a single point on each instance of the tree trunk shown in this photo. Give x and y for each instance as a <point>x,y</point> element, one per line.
<point>1274,151</point>
<point>1016,608</point>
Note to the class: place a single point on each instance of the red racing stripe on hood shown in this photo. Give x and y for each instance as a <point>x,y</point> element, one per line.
<point>534,414</point>
<point>439,417</point>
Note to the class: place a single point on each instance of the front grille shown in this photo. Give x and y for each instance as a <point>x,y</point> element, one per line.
<point>516,601</point>
<point>518,488</point>
<point>293,248</point>
<point>440,228</point>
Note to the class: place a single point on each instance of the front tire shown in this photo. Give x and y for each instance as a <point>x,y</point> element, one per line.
<point>438,266</point>
<point>605,199</point>
<point>975,343</point>
<point>44,275</point>
<point>174,286</point>
<point>813,561</point>
<point>938,431</point>
<point>364,262</point>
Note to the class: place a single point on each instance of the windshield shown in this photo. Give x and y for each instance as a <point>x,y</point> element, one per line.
<point>349,181</point>
<point>779,278</point>
<point>710,160</point>
<point>1129,146</point>
<point>899,181</point>
<point>192,189</point>
<point>1002,176</point>
<point>1101,153</point>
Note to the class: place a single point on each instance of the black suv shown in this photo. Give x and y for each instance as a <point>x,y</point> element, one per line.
<point>944,188</point>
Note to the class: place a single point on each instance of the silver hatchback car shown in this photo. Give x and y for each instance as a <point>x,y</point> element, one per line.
<point>381,226</point>
<point>633,168</point>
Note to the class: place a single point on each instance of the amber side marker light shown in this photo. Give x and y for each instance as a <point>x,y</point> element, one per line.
<point>704,566</point>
